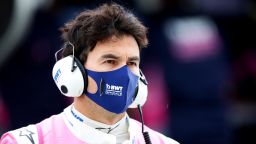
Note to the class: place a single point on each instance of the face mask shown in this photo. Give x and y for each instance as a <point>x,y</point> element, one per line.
<point>116,89</point>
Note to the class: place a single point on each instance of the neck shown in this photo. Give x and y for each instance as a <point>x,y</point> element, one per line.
<point>93,111</point>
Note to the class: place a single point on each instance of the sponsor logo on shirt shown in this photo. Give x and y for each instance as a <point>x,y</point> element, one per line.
<point>27,134</point>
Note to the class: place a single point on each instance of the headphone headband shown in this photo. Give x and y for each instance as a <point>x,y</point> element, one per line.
<point>65,46</point>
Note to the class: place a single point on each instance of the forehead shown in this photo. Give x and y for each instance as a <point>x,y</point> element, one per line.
<point>122,46</point>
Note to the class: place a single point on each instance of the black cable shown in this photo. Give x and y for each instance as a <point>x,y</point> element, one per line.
<point>145,134</point>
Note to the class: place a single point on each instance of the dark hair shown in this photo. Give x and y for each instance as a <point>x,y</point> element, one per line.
<point>91,26</point>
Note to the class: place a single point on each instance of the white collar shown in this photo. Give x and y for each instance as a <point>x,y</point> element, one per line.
<point>89,134</point>
<point>118,128</point>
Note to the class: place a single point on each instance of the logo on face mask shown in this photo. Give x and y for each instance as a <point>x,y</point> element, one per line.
<point>114,90</point>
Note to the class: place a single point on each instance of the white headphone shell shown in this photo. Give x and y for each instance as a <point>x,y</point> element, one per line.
<point>70,83</point>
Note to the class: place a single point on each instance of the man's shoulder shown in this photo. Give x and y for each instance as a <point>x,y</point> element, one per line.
<point>30,134</point>
<point>24,135</point>
<point>154,135</point>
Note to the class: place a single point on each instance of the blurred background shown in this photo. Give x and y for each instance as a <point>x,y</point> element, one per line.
<point>200,64</point>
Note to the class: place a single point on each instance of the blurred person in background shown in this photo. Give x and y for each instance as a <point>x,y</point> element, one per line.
<point>27,42</point>
<point>242,112</point>
<point>196,71</point>
<point>193,64</point>
<point>100,69</point>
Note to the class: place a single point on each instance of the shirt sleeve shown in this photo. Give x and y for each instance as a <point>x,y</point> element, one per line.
<point>24,135</point>
<point>8,139</point>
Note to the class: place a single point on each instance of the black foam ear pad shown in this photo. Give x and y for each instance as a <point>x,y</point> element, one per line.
<point>136,93</point>
<point>83,71</point>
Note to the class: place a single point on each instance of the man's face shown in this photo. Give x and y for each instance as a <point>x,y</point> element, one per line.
<point>114,53</point>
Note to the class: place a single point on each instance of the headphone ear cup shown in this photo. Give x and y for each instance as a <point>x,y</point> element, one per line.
<point>142,93</point>
<point>70,83</point>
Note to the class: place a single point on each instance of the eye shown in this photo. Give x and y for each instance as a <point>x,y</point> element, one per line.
<point>110,62</point>
<point>132,64</point>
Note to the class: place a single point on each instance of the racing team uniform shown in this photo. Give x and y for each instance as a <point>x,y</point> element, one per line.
<point>71,127</point>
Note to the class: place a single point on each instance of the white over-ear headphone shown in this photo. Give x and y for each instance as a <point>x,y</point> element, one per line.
<point>71,79</point>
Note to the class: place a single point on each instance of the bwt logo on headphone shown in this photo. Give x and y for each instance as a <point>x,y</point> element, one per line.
<point>114,90</point>
<point>57,75</point>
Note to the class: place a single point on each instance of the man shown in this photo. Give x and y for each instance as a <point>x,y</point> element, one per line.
<point>100,69</point>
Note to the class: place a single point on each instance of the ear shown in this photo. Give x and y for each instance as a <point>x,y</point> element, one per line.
<point>70,82</point>
<point>142,92</point>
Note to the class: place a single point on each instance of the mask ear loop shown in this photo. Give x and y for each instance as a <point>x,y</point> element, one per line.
<point>73,67</point>
<point>143,78</point>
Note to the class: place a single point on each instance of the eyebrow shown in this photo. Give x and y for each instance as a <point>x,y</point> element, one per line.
<point>134,58</point>
<point>106,56</point>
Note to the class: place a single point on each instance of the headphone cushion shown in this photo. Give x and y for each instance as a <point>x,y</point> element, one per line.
<point>83,71</point>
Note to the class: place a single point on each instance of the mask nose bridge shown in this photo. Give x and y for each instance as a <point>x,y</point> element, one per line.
<point>130,70</point>
<point>124,62</point>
